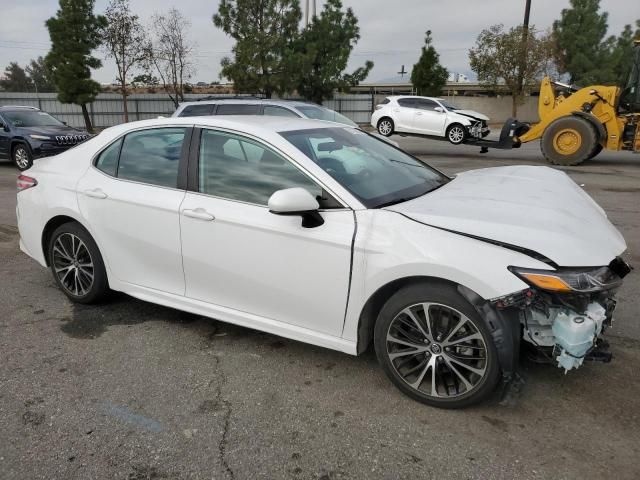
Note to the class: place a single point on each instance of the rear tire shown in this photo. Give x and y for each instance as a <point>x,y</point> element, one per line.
<point>449,361</point>
<point>569,141</point>
<point>386,127</point>
<point>77,264</point>
<point>21,156</point>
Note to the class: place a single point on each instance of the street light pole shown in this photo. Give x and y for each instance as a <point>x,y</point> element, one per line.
<point>525,38</point>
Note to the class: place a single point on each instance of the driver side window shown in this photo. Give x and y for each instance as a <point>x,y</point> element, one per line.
<point>238,168</point>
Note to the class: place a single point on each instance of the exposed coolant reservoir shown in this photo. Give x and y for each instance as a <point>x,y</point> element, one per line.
<point>575,334</point>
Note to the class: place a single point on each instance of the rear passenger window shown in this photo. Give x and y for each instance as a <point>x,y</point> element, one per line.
<point>197,110</point>
<point>407,102</point>
<point>152,156</point>
<point>238,109</point>
<point>278,112</point>
<point>108,159</point>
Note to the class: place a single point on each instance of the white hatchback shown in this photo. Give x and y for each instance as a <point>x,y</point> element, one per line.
<point>327,235</point>
<point>427,116</point>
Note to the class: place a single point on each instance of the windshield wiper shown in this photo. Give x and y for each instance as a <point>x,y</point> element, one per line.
<point>406,199</point>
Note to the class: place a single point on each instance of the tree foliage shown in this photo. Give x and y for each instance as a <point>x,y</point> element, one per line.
<point>41,75</point>
<point>428,76</point>
<point>264,31</point>
<point>578,38</point>
<point>322,52</point>
<point>75,34</point>
<point>123,36</point>
<point>622,54</point>
<point>509,59</point>
<point>16,79</point>
<point>170,52</point>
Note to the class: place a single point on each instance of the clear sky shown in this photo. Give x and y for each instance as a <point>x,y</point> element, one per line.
<point>392,32</point>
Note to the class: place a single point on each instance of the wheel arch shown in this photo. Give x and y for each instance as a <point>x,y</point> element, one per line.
<point>369,312</point>
<point>19,141</point>
<point>503,325</point>
<point>49,228</point>
<point>601,130</point>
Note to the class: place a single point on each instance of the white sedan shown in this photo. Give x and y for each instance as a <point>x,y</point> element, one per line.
<point>324,234</point>
<point>427,116</point>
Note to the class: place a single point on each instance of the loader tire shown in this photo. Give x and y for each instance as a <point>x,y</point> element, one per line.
<point>569,141</point>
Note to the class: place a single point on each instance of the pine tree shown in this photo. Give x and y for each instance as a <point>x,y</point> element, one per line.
<point>74,33</point>
<point>41,75</point>
<point>323,51</point>
<point>16,79</point>
<point>579,43</point>
<point>264,32</point>
<point>621,52</point>
<point>428,76</point>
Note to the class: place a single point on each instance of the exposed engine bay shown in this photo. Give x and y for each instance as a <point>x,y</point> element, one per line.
<point>565,319</point>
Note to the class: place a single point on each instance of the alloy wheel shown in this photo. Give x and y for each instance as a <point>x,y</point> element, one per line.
<point>21,157</point>
<point>437,350</point>
<point>385,128</point>
<point>73,264</point>
<point>456,134</point>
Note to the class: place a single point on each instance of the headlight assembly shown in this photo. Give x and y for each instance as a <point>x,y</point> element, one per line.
<point>569,280</point>
<point>40,137</point>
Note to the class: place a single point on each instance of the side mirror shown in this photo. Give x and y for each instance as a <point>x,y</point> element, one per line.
<point>439,109</point>
<point>296,201</point>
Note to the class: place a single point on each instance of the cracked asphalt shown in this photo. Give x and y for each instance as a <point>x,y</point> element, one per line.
<point>130,390</point>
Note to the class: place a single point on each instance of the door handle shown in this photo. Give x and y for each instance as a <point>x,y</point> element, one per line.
<point>96,193</point>
<point>198,213</point>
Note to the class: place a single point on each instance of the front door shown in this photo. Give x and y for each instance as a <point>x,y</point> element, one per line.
<point>427,120</point>
<point>132,202</point>
<point>236,254</point>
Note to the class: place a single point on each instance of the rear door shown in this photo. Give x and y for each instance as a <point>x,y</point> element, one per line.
<point>426,119</point>
<point>131,198</point>
<point>404,113</point>
<point>5,139</point>
<point>238,255</point>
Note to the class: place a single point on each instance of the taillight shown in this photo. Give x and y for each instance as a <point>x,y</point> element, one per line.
<point>25,182</point>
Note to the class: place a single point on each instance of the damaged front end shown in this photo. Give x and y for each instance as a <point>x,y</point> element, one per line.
<point>565,311</point>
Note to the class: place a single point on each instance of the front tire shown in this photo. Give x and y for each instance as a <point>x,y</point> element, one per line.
<point>456,134</point>
<point>77,264</point>
<point>569,141</point>
<point>433,346</point>
<point>21,156</point>
<point>386,127</point>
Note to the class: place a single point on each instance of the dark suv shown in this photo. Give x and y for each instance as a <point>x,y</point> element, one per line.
<point>27,133</point>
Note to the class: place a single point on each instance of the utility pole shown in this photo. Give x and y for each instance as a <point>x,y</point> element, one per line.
<point>525,38</point>
<point>306,13</point>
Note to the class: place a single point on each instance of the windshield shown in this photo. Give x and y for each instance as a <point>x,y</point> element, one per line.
<point>448,106</point>
<point>370,169</point>
<point>321,113</point>
<point>31,118</point>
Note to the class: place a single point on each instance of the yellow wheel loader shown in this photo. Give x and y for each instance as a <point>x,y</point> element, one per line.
<point>576,124</point>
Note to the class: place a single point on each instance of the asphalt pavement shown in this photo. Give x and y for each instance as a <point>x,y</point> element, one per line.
<point>130,390</point>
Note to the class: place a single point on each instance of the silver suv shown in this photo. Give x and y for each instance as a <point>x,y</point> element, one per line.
<point>257,106</point>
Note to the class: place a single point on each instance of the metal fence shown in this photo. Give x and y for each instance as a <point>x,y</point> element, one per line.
<point>107,109</point>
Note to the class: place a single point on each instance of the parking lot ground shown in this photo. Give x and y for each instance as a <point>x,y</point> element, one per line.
<point>130,390</point>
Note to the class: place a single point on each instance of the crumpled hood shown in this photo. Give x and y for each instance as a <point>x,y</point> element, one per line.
<point>472,113</point>
<point>536,208</point>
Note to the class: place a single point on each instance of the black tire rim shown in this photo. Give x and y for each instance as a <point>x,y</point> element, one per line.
<point>437,350</point>
<point>72,264</point>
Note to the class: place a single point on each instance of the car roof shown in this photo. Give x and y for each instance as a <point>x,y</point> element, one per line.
<point>258,126</point>
<point>397,97</point>
<point>7,108</point>
<point>250,100</point>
